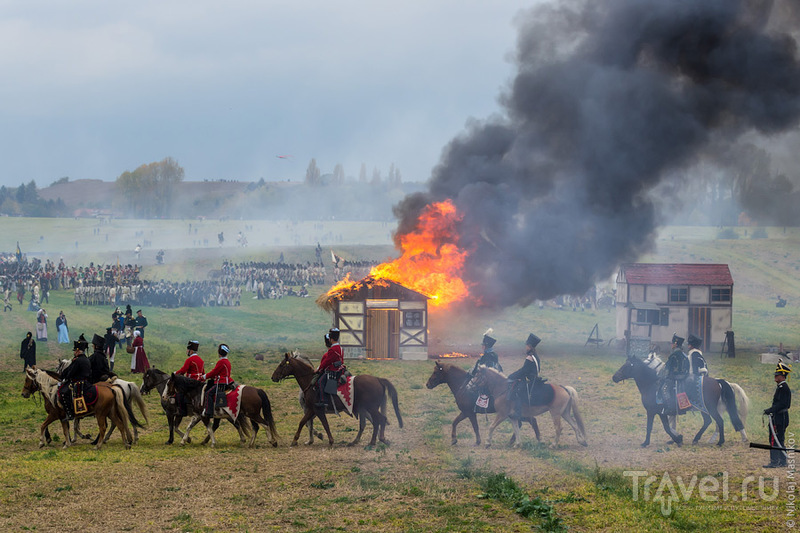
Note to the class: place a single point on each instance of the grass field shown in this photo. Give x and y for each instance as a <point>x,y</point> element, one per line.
<point>420,482</point>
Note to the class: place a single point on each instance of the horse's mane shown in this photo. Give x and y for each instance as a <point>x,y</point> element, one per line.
<point>304,359</point>
<point>491,370</point>
<point>156,371</point>
<point>53,374</point>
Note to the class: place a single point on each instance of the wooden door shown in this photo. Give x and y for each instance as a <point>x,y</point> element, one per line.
<point>383,333</point>
<point>700,325</point>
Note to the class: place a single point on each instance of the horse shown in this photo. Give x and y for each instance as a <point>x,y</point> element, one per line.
<point>646,376</point>
<point>110,403</point>
<point>50,409</point>
<point>563,405</point>
<point>369,400</point>
<point>132,396</point>
<point>458,379</point>
<point>255,409</point>
<point>157,379</point>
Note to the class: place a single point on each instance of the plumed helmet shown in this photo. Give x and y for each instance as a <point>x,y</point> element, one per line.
<point>328,342</point>
<point>694,341</point>
<point>223,350</point>
<point>334,334</point>
<point>98,341</point>
<point>677,340</point>
<point>533,340</point>
<point>782,369</point>
<point>193,345</point>
<point>80,344</point>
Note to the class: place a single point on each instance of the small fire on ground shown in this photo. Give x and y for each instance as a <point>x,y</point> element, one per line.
<point>451,355</point>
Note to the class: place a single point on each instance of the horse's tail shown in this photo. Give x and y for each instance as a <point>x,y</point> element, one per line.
<point>576,414</point>
<point>266,410</point>
<point>123,412</point>
<point>387,386</point>
<point>127,406</point>
<point>136,397</point>
<point>729,399</point>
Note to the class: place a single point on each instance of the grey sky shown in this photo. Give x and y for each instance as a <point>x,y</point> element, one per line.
<point>94,88</point>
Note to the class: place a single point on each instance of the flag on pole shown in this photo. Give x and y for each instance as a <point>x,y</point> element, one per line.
<point>19,253</point>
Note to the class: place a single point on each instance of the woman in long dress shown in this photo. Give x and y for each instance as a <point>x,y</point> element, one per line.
<point>41,325</point>
<point>62,328</point>
<point>139,362</point>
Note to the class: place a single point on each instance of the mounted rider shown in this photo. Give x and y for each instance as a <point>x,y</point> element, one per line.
<point>219,380</point>
<point>696,359</point>
<point>524,380</point>
<point>678,367</point>
<point>331,366</point>
<point>489,357</point>
<point>193,369</point>
<point>76,377</point>
<point>98,361</point>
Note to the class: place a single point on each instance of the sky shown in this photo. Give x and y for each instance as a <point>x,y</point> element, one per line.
<point>94,88</point>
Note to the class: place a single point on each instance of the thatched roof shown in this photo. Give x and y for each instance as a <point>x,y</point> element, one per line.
<point>368,287</point>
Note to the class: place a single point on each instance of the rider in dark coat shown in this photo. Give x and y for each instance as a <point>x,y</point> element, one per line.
<point>677,370</point>
<point>76,376</point>
<point>489,357</point>
<point>698,362</point>
<point>779,417</point>
<point>523,379</point>
<point>98,360</point>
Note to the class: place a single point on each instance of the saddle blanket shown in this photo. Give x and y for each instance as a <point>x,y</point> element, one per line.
<point>89,395</point>
<point>234,402</point>
<point>542,394</point>
<point>345,392</point>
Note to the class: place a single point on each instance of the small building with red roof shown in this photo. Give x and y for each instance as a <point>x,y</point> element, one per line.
<point>655,300</point>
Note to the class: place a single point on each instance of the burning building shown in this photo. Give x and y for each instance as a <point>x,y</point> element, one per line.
<point>379,319</point>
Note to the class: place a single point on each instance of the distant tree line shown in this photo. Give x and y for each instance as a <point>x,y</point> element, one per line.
<point>25,201</point>
<point>149,191</point>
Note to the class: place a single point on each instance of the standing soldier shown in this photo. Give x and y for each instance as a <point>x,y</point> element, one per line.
<point>221,379</point>
<point>192,368</point>
<point>141,322</point>
<point>779,416</point>
<point>696,359</point>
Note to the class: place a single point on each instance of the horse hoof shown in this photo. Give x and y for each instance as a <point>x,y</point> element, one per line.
<point>695,441</point>
<point>41,445</point>
<point>168,442</point>
<point>720,443</point>
<point>274,444</point>
<point>455,441</point>
<point>644,445</point>
<point>294,443</point>
<point>584,443</point>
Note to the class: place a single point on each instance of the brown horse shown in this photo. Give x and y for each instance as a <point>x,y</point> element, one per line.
<point>458,379</point>
<point>369,400</point>
<point>110,404</point>
<point>564,404</point>
<point>255,410</point>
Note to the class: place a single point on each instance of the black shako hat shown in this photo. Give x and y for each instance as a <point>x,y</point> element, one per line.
<point>98,341</point>
<point>533,340</point>
<point>488,341</point>
<point>192,345</point>
<point>677,340</point>
<point>223,350</point>
<point>694,341</point>
<point>334,334</point>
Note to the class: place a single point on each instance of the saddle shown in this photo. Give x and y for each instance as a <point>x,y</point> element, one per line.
<point>686,395</point>
<point>536,393</point>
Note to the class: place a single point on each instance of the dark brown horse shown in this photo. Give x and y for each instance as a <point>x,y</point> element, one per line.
<point>110,404</point>
<point>457,379</point>
<point>255,410</point>
<point>718,395</point>
<point>369,400</point>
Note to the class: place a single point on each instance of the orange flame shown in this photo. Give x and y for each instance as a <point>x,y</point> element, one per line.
<point>452,355</point>
<point>431,262</point>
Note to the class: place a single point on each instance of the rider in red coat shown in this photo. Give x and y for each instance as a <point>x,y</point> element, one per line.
<point>332,361</point>
<point>192,368</point>
<point>219,379</point>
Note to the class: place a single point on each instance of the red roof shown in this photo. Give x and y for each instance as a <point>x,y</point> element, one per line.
<point>676,274</point>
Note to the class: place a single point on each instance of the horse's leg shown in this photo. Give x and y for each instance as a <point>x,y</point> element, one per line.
<point>678,439</point>
<point>461,416</point>
<point>324,419</point>
<point>720,426</point>
<point>65,429</point>
<point>557,424</point>
<point>307,415</point>
<point>362,423</point>
<point>101,426</point>
<point>571,421</point>
<point>210,431</point>
<point>195,420</point>
<point>497,419</point>
<point>706,423</point>
<point>44,436</point>
<point>172,426</point>
<point>650,416</point>
<point>535,426</point>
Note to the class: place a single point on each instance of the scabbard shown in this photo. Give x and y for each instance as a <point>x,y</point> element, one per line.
<point>768,447</point>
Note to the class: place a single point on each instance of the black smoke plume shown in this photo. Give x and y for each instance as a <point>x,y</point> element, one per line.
<point>610,98</point>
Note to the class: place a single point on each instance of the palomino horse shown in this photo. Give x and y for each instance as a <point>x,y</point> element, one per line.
<point>110,404</point>
<point>563,405</point>
<point>49,409</point>
<point>716,392</point>
<point>255,408</point>
<point>458,379</point>
<point>369,400</point>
